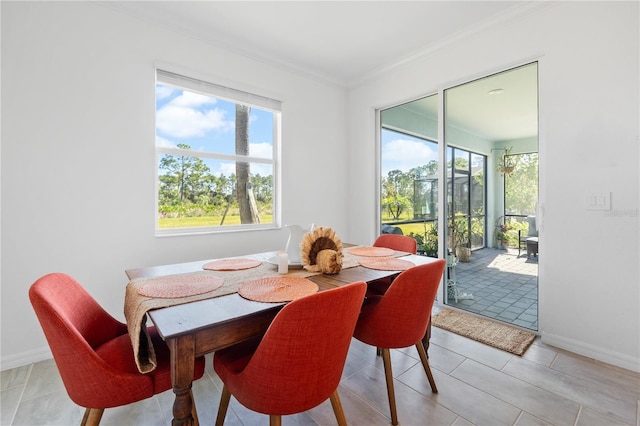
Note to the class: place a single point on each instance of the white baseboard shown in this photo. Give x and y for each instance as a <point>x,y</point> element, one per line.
<point>25,358</point>
<point>597,353</point>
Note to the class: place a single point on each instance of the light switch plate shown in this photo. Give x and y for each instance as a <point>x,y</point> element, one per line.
<point>597,200</point>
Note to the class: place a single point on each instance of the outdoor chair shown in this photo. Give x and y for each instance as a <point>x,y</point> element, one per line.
<point>529,241</point>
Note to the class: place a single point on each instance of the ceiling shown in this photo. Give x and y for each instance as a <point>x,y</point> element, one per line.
<point>476,108</point>
<point>342,42</point>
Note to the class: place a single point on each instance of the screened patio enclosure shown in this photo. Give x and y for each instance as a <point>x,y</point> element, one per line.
<point>456,196</point>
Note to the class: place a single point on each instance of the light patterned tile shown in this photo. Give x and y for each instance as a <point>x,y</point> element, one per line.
<point>9,400</point>
<point>461,422</point>
<point>54,408</point>
<point>443,359</point>
<point>527,419</point>
<point>614,379</point>
<point>356,411</point>
<point>44,378</point>
<point>589,417</point>
<point>578,389</point>
<point>413,408</point>
<point>464,400</point>
<point>540,353</point>
<point>487,355</point>
<point>141,413</point>
<point>543,404</point>
<point>14,377</point>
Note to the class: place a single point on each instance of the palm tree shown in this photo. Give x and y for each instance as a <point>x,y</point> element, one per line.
<point>246,200</point>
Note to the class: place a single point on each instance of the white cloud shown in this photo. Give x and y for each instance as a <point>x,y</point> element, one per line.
<point>404,154</point>
<point>163,92</point>
<point>184,122</point>
<point>190,99</point>
<point>262,150</point>
<point>164,142</point>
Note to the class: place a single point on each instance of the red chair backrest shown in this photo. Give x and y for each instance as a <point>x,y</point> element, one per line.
<point>401,317</point>
<point>300,359</point>
<point>397,242</point>
<point>74,325</point>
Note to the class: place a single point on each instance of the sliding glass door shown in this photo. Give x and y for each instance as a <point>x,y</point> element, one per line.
<point>491,139</point>
<point>485,172</point>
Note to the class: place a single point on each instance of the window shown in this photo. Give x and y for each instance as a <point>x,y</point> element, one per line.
<point>521,185</point>
<point>217,157</point>
<point>466,196</point>
<point>409,172</point>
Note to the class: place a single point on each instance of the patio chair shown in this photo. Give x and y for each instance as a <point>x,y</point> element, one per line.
<point>529,241</point>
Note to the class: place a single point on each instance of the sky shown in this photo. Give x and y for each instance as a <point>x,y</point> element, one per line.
<point>404,152</point>
<point>207,124</point>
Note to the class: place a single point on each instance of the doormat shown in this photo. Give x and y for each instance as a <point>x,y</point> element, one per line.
<point>492,333</point>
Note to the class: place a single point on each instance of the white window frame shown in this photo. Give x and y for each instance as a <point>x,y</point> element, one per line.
<point>183,82</point>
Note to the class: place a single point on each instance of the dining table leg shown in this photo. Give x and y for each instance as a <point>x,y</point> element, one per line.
<point>182,370</point>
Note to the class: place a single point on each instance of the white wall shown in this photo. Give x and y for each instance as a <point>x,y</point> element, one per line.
<point>589,137</point>
<point>78,140</point>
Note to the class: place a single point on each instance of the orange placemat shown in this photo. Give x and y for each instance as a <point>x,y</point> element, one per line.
<point>235,264</point>
<point>180,286</point>
<point>386,263</point>
<point>371,251</point>
<point>277,289</point>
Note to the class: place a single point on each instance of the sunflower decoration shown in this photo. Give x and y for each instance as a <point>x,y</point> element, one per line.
<point>322,251</point>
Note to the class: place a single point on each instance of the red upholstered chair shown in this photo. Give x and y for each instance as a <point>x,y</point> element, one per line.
<point>395,242</point>
<point>298,362</point>
<point>93,350</point>
<point>400,318</point>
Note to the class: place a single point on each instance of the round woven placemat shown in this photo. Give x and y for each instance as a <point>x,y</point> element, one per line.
<point>386,263</point>
<point>172,287</point>
<point>371,251</point>
<point>231,264</point>
<point>277,289</point>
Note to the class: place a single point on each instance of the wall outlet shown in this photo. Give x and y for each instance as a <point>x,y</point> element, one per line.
<point>597,200</point>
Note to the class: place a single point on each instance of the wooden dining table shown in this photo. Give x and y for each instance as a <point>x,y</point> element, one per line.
<point>205,326</point>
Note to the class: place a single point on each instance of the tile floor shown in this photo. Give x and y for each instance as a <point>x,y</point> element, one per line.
<point>478,385</point>
<point>504,286</point>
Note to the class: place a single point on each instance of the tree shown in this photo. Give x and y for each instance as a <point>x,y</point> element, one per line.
<point>521,186</point>
<point>183,178</point>
<point>397,189</point>
<point>244,191</point>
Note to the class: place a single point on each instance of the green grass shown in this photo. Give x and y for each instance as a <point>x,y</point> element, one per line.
<point>189,222</point>
<point>416,228</point>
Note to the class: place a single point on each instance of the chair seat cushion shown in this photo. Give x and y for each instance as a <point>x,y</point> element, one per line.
<point>118,355</point>
<point>234,359</point>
